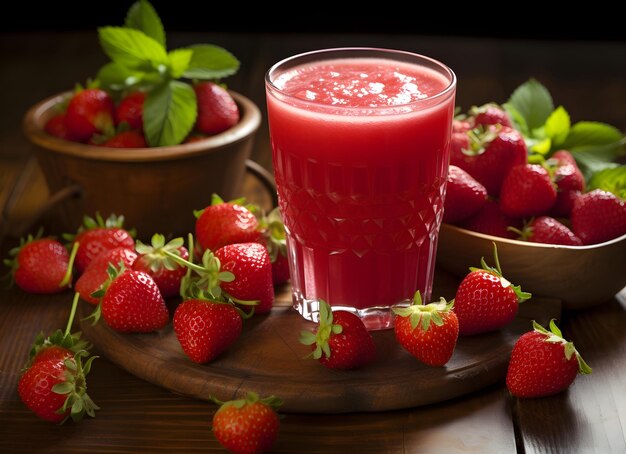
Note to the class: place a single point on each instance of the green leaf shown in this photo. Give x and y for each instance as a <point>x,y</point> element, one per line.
<point>557,126</point>
<point>533,102</point>
<point>132,48</point>
<point>169,113</point>
<point>611,180</point>
<point>117,77</point>
<point>211,62</point>
<point>143,17</point>
<point>62,388</point>
<point>179,61</point>
<point>518,120</point>
<point>542,146</point>
<point>592,160</point>
<point>587,133</point>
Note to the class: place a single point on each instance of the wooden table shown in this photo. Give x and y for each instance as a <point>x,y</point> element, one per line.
<point>588,78</point>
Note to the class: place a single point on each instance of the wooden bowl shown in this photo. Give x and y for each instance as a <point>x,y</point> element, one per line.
<point>580,276</point>
<point>156,189</point>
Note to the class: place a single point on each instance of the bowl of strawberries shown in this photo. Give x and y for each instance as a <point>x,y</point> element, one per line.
<point>547,192</point>
<point>153,136</point>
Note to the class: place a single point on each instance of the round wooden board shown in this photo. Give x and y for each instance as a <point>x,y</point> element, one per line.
<point>268,359</point>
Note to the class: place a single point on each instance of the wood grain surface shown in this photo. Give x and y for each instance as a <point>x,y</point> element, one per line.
<point>268,353</point>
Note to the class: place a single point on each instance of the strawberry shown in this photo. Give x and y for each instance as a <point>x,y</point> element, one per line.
<point>206,328</point>
<point>428,332</point>
<point>166,272</point>
<point>527,191</point>
<point>488,154</point>
<point>221,223</point>
<point>598,216</point>
<point>549,231</point>
<point>490,114</point>
<point>247,426</point>
<point>491,221</point>
<point>126,139</point>
<point>280,269</point>
<point>340,341</point>
<point>252,270</point>
<point>569,182</point>
<point>485,300</point>
<point>131,302</point>
<point>55,389</point>
<point>461,126</point>
<point>53,383</point>
<point>89,112</point>
<point>130,110</point>
<point>543,363</point>
<point>464,196</point>
<point>56,127</point>
<point>97,235</point>
<point>217,110</point>
<point>40,265</point>
<point>96,272</point>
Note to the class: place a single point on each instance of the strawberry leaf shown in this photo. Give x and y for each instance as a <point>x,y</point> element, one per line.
<point>169,113</point>
<point>143,17</point>
<point>533,103</point>
<point>557,126</point>
<point>179,60</point>
<point>611,180</point>
<point>210,62</point>
<point>132,48</point>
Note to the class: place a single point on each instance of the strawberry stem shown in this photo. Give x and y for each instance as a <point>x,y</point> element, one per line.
<point>495,257</point>
<point>70,321</point>
<point>178,259</point>
<point>70,265</point>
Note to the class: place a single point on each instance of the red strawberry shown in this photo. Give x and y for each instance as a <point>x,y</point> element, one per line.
<point>543,363</point>
<point>340,341</point>
<point>464,196</point>
<point>217,110</point>
<point>206,328</point>
<point>280,270</point>
<point>490,114</point>
<point>96,272</point>
<point>97,235</point>
<point>549,231</point>
<point>569,181</point>
<point>598,216</point>
<point>461,126</point>
<point>489,155</point>
<point>131,302</point>
<point>40,265</point>
<point>247,426</point>
<point>126,139</point>
<point>491,221</point>
<point>58,346</point>
<point>130,110</point>
<point>89,112</point>
<point>527,191</point>
<point>164,270</point>
<point>485,300</point>
<point>428,332</point>
<point>56,127</point>
<point>252,270</point>
<point>226,223</point>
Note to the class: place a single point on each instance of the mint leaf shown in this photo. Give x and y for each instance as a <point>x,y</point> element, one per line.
<point>585,133</point>
<point>179,61</point>
<point>169,113</point>
<point>533,102</point>
<point>132,48</point>
<point>143,17</point>
<point>612,180</point>
<point>557,126</point>
<point>211,62</point>
<point>117,77</point>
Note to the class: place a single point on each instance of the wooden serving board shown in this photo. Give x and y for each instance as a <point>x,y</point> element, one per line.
<point>268,359</point>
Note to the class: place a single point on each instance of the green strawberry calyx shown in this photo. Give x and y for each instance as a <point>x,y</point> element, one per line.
<point>98,222</point>
<point>497,271</point>
<point>251,398</point>
<point>555,336</point>
<point>421,314</point>
<point>75,387</point>
<point>216,199</point>
<point>113,272</point>
<point>154,253</point>
<point>480,138</point>
<point>273,229</point>
<point>325,330</point>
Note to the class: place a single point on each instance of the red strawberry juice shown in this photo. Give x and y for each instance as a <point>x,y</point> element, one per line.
<point>360,146</point>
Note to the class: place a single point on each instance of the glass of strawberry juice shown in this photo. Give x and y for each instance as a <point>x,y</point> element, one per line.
<point>360,149</point>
